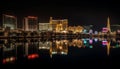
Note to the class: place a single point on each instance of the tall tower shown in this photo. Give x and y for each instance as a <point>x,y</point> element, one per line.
<point>108,25</point>
<point>10,21</point>
<point>30,23</point>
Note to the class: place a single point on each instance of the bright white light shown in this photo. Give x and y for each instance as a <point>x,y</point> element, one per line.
<point>54,52</point>
<point>64,31</point>
<point>96,39</point>
<point>64,53</point>
<point>44,47</point>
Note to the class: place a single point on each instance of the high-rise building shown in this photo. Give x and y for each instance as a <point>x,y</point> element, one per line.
<point>9,21</point>
<point>30,23</point>
<point>59,25</point>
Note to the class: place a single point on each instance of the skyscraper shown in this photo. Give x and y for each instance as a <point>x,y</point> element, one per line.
<point>9,21</point>
<point>30,23</point>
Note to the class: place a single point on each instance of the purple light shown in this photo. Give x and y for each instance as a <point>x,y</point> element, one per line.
<point>90,41</point>
<point>104,42</point>
<point>104,30</point>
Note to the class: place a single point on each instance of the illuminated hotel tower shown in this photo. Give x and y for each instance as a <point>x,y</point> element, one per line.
<point>9,21</point>
<point>108,25</point>
<point>59,25</point>
<point>30,23</point>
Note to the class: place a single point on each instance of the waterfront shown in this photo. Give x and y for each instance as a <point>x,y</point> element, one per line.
<point>60,51</point>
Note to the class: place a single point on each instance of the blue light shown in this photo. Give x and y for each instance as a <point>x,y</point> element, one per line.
<point>85,31</point>
<point>96,32</point>
<point>95,39</point>
<point>84,41</point>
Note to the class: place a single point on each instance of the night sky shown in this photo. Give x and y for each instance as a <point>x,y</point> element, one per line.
<point>77,12</point>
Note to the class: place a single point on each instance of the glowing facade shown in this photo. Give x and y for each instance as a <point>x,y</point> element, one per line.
<point>76,29</point>
<point>59,47</point>
<point>45,27</point>
<point>59,25</point>
<point>45,45</point>
<point>30,23</point>
<point>9,21</point>
<point>76,42</point>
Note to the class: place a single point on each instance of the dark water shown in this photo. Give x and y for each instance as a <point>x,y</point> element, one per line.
<point>83,56</point>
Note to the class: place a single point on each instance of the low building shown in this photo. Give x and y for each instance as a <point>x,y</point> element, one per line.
<point>75,29</point>
<point>45,27</point>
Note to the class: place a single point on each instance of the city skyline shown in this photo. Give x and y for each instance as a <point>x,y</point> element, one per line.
<point>77,13</point>
<point>21,25</point>
<point>60,32</point>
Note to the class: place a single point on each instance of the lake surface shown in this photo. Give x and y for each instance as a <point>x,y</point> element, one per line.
<point>85,51</point>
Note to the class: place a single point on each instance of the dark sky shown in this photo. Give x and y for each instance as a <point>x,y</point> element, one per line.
<point>77,12</point>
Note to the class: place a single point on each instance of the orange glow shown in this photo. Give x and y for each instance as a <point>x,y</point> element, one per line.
<point>108,48</point>
<point>60,47</point>
<point>7,59</point>
<point>10,59</point>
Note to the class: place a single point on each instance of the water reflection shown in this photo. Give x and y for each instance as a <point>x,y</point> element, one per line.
<point>59,47</point>
<point>14,49</point>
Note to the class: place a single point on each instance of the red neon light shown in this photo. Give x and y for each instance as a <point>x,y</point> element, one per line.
<point>32,56</point>
<point>32,17</point>
<point>4,61</point>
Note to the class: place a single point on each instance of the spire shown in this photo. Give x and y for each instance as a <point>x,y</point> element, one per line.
<point>108,24</point>
<point>108,48</point>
